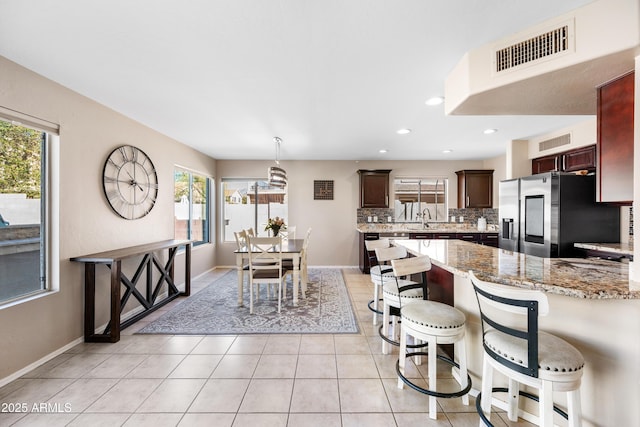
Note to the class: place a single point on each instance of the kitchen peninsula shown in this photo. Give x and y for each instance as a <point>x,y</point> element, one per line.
<point>592,305</point>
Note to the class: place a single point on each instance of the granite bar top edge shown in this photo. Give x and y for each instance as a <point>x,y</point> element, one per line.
<point>592,279</point>
<point>618,248</point>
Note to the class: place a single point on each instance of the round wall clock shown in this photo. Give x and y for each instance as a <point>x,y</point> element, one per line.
<point>130,182</point>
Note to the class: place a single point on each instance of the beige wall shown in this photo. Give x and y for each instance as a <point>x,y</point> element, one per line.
<point>334,238</point>
<point>499,166</point>
<point>582,135</point>
<point>88,132</point>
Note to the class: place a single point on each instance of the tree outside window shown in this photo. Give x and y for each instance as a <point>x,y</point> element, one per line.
<point>191,206</point>
<point>22,225</point>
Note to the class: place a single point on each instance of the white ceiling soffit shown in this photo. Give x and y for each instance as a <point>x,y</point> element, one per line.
<point>562,82</point>
<point>335,79</point>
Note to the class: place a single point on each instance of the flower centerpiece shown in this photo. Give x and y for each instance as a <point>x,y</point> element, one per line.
<point>275,225</point>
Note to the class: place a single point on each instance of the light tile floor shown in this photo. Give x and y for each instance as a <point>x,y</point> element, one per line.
<point>259,380</point>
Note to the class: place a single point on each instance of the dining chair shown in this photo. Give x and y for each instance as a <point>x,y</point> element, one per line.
<point>289,232</point>
<point>265,265</point>
<point>241,238</point>
<point>241,242</point>
<point>303,271</point>
<point>250,232</point>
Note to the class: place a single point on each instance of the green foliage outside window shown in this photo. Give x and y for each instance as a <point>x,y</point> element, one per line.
<point>20,154</point>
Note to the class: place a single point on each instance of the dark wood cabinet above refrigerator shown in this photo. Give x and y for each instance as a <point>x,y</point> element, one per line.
<point>583,158</point>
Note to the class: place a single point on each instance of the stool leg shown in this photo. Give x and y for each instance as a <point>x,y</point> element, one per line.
<point>462,361</point>
<point>512,404</point>
<point>385,326</point>
<point>487,384</point>
<point>375,301</point>
<point>574,409</point>
<point>432,377</point>
<point>546,404</point>
<point>402,357</point>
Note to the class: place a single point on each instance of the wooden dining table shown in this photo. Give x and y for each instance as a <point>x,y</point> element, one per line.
<point>291,249</point>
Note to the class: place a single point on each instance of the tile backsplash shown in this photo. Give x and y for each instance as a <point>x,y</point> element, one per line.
<point>470,216</point>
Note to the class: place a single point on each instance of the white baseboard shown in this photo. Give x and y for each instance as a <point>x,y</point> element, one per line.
<point>6,380</point>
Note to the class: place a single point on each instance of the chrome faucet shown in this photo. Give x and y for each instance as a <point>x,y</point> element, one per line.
<point>422,217</point>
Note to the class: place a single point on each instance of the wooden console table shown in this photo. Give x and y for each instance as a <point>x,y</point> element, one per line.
<point>113,261</point>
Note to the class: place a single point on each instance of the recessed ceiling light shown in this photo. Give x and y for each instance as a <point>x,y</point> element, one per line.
<point>436,100</point>
<point>447,151</point>
<point>490,131</point>
<point>382,151</point>
<point>403,131</point>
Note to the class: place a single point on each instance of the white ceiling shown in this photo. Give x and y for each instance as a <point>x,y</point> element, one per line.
<point>334,79</point>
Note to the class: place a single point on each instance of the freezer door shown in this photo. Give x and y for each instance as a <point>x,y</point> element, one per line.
<point>509,214</point>
<point>536,213</point>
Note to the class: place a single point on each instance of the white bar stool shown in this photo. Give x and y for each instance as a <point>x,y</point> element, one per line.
<point>376,272</point>
<point>524,354</point>
<point>397,292</point>
<point>434,323</point>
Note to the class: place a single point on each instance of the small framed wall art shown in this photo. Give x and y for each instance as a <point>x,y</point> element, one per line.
<point>323,190</point>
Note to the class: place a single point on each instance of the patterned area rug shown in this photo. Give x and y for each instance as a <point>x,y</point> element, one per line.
<point>214,310</point>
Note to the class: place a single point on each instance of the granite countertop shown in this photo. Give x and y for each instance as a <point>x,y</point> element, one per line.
<point>618,248</point>
<point>574,277</point>
<point>444,227</point>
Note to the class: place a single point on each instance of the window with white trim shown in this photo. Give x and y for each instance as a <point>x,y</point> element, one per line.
<point>24,219</point>
<point>249,203</point>
<point>192,206</point>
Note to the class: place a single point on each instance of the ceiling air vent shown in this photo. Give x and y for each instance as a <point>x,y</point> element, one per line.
<point>543,45</point>
<point>558,141</point>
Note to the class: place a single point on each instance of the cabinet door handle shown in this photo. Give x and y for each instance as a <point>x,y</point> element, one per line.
<point>564,162</point>
<point>467,201</point>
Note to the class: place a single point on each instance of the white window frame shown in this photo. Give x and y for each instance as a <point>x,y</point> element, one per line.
<point>50,206</point>
<point>210,211</point>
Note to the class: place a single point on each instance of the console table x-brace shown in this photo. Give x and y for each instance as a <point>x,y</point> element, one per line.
<point>113,261</point>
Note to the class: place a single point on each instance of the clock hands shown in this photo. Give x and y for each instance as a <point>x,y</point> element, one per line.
<point>133,182</point>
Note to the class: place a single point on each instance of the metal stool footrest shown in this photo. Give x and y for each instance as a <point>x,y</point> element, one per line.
<point>396,343</point>
<point>370,305</point>
<point>522,393</point>
<point>433,392</point>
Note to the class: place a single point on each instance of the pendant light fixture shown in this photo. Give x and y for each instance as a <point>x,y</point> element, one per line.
<point>277,175</point>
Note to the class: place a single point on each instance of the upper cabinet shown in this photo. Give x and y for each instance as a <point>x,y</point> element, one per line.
<point>615,141</point>
<point>583,158</point>
<point>475,188</point>
<point>374,188</point>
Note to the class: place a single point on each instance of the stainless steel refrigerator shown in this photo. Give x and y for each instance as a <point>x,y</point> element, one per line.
<point>555,210</point>
<point>509,214</point>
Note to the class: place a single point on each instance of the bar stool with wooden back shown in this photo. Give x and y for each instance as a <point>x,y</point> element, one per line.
<point>377,272</point>
<point>434,323</point>
<point>515,347</point>
<point>396,292</point>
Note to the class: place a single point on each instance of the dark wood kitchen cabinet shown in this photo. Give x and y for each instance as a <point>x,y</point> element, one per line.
<point>475,188</point>
<point>545,164</point>
<point>614,182</point>
<point>583,158</point>
<point>374,188</point>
